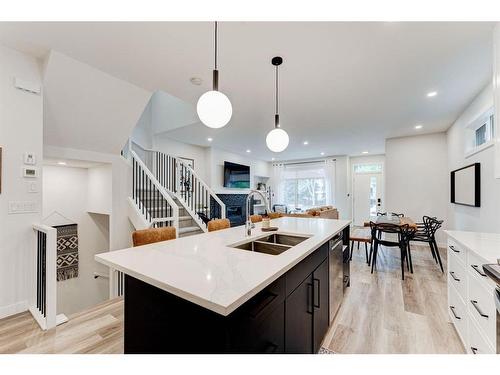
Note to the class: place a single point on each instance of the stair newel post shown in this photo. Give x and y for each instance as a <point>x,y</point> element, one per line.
<point>177,176</point>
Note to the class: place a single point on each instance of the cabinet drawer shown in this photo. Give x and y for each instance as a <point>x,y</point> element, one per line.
<point>458,312</point>
<point>477,344</point>
<point>457,276</point>
<point>482,308</point>
<point>457,251</point>
<point>475,267</point>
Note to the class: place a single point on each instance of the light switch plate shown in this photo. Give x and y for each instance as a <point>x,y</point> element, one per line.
<point>22,207</point>
<point>32,187</point>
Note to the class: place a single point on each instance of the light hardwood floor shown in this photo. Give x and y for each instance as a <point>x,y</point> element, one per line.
<point>380,314</point>
<point>383,314</point>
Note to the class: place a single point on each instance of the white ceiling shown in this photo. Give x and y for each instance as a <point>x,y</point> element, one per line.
<point>345,87</point>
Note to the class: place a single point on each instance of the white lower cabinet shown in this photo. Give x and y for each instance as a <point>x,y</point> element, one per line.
<point>470,300</point>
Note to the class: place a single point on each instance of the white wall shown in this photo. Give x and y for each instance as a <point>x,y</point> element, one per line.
<point>120,228</point>
<point>487,217</point>
<point>417,177</point>
<point>100,189</point>
<point>20,131</point>
<point>65,190</point>
<point>87,109</point>
<point>143,132</point>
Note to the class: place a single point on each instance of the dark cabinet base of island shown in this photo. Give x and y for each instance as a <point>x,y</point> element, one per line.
<point>289,316</point>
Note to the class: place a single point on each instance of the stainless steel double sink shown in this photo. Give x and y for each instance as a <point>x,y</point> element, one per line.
<point>273,244</point>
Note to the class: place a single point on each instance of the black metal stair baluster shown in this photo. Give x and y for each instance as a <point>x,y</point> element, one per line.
<point>38,256</point>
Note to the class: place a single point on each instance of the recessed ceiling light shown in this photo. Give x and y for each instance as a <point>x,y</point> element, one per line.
<point>306,143</point>
<point>249,151</point>
<point>365,152</point>
<point>196,81</point>
<point>322,153</point>
<point>431,94</point>
<point>418,126</point>
<point>61,162</point>
<point>273,159</point>
<point>210,139</point>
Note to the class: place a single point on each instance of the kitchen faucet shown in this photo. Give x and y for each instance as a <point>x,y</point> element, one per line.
<point>248,223</point>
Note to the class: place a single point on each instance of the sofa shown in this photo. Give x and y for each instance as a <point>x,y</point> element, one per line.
<point>323,212</point>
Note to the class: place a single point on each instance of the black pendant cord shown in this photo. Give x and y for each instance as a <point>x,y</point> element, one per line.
<point>215,77</point>
<point>276,115</point>
<point>215,50</point>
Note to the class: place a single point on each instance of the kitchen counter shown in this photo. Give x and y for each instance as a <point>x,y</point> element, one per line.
<point>485,245</point>
<point>204,269</point>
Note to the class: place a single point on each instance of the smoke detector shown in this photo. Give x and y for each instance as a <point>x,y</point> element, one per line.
<point>196,81</point>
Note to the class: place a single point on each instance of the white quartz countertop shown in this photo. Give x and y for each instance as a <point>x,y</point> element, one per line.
<point>205,270</point>
<point>486,245</point>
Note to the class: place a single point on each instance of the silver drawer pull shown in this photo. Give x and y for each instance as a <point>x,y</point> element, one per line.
<point>474,350</point>
<point>476,268</point>
<point>453,249</point>
<point>452,308</point>
<point>474,303</point>
<point>453,276</point>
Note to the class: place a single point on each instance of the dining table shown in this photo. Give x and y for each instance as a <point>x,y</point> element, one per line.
<point>397,220</point>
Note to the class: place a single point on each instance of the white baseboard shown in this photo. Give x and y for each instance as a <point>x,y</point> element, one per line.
<point>15,308</point>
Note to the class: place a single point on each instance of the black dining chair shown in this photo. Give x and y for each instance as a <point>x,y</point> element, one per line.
<point>426,232</point>
<point>402,234</point>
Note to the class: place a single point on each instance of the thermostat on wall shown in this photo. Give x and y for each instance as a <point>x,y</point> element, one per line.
<point>29,158</point>
<point>30,172</point>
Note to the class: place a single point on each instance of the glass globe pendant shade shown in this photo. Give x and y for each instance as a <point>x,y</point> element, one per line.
<point>277,140</point>
<point>214,109</point>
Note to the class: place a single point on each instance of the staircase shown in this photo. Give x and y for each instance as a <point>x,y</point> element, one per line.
<point>167,192</point>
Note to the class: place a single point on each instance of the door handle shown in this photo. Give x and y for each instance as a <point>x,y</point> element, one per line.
<point>479,311</point>
<point>453,249</point>
<point>452,308</point>
<point>453,276</point>
<point>474,350</point>
<point>310,302</point>
<point>476,268</point>
<point>317,305</point>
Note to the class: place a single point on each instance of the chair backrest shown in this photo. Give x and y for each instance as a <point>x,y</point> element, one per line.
<point>152,235</point>
<point>280,208</point>
<point>392,213</point>
<point>218,224</point>
<point>274,215</point>
<point>432,224</point>
<point>255,218</point>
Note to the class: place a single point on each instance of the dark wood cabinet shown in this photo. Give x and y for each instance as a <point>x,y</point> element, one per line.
<point>307,307</point>
<point>321,314</point>
<point>299,318</point>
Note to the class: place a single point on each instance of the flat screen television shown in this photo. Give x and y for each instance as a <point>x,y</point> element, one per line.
<point>466,185</point>
<point>236,176</point>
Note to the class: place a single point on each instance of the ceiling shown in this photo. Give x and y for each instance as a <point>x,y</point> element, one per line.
<point>345,86</point>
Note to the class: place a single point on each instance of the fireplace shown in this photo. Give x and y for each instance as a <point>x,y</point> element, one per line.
<point>235,214</point>
<point>235,207</point>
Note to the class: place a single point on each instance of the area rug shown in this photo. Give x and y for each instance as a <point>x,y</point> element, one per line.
<point>67,251</point>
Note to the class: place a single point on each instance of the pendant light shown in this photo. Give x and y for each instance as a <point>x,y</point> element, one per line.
<point>214,108</point>
<point>277,139</point>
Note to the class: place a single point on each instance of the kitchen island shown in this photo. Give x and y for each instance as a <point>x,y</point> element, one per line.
<point>226,292</point>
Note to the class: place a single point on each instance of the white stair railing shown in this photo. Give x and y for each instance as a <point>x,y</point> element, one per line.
<point>151,199</point>
<point>43,301</point>
<point>181,180</point>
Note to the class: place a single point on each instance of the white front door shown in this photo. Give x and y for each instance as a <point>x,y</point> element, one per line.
<point>368,193</point>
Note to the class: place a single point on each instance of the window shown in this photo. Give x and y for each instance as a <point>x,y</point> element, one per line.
<point>304,193</point>
<point>305,185</point>
<point>367,168</point>
<point>480,133</point>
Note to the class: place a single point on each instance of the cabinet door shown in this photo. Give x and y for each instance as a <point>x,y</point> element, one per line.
<point>321,304</point>
<point>299,319</point>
